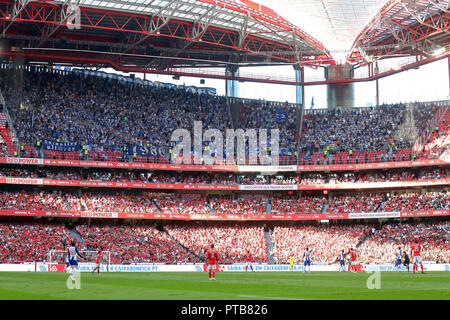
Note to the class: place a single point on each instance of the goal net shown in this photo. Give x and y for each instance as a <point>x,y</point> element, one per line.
<point>59,257</point>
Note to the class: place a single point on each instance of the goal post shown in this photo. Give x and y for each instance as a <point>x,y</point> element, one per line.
<point>59,257</point>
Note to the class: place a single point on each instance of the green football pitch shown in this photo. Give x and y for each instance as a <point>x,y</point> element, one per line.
<point>228,286</point>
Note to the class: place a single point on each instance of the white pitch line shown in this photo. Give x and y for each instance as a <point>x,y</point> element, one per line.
<point>264,297</point>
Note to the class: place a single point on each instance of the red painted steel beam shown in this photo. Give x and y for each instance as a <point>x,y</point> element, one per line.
<point>100,19</point>
<point>118,64</point>
<point>418,31</point>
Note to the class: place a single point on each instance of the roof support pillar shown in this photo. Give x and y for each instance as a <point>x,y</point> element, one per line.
<point>378,92</point>
<point>232,85</point>
<point>340,95</point>
<point>300,101</point>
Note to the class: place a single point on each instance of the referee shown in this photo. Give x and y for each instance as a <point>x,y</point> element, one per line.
<point>406,260</point>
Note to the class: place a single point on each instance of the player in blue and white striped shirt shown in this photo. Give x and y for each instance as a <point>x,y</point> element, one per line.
<point>342,261</point>
<point>398,262</point>
<point>307,257</point>
<point>72,256</point>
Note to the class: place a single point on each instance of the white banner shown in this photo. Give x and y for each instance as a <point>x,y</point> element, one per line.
<point>269,169</point>
<point>371,215</point>
<point>88,267</point>
<point>268,187</point>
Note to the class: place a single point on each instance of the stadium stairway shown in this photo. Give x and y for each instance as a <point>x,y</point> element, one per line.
<point>367,237</point>
<point>168,235</point>
<point>325,207</point>
<point>78,236</point>
<point>156,206</point>
<point>5,133</point>
<point>74,231</point>
<point>213,210</point>
<point>269,246</point>
<point>268,206</point>
<point>407,130</point>
<point>380,205</point>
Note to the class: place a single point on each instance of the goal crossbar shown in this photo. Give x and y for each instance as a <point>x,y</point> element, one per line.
<point>60,257</point>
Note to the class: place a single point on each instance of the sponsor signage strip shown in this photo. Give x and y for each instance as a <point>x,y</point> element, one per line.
<point>258,267</point>
<point>375,165</point>
<point>222,217</point>
<point>262,187</point>
<point>223,168</point>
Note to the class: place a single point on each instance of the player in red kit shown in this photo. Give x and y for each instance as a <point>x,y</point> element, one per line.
<point>212,262</point>
<point>352,267</point>
<point>97,262</point>
<point>248,261</point>
<point>417,259</point>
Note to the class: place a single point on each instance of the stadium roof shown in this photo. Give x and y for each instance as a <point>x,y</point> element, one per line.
<point>336,23</point>
<point>170,35</point>
<point>344,26</point>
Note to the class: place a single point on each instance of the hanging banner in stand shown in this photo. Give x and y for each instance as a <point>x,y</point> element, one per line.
<point>138,81</point>
<point>59,146</point>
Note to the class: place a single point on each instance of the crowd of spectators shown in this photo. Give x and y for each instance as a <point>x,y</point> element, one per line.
<point>228,179</point>
<point>232,241</point>
<point>325,241</point>
<point>297,204</point>
<point>416,201</point>
<point>77,201</point>
<point>382,246</point>
<point>108,116</point>
<point>357,203</point>
<point>187,242</point>
<point>3,147</point>
<point>265,115</point>
<point>423,116</point>
<point>202,203</point>
<point>120,176</point>
<point>135,244</point>
<point>379,176</point>
<point>181,203</point>
<point>25,241</point>
<point>105,114</point>
<point>243,204</point>
<point>367,129</point>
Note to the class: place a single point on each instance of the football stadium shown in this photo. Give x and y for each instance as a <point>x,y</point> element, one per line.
<point>224,150</point>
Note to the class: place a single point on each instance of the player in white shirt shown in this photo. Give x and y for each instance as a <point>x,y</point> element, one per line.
<point>72,256</point>
<point>342,262</point>
<point>398,262</point>
<point>307,258</point>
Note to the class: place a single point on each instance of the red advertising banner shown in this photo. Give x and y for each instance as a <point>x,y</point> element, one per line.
<point>28,161</point>
<point>169,216</point>
<point>375,165</point>
<point>56,268</point>
<point>425,213</point>
<point>220,168</point>
<point>224,217</point>
<point>112,164</point>
<point>139,165</point>
<point>262,187</point>
<point>111,184</point>
<point>374,185</point>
